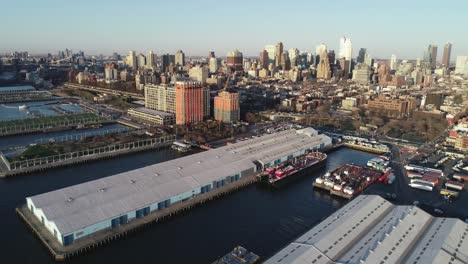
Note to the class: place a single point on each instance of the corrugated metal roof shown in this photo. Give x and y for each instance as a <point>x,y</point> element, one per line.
<point>98,200</point>
<point>369,229</point>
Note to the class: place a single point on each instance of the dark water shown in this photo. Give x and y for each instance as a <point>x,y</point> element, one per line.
<point>261,219</point>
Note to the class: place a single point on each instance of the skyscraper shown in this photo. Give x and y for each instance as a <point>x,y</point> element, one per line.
<point>323,68</point>
<point>362,55</point>
<point>279,53</point>
<point>226,107</point>
<point>166,60</point>
<point>213,64</point>
<point>293,56</point>
<point>111,72</point>
<point>235,61</point>
<point>346,49</point>
<point>179,58</point>
<point>141,60</point>
<point>430,56</point>
<point>271,50</point>
<point>393,62</point>
<point>151,59</point>
<point>132,60</point>
<point>285,62</point>
<point>264,60</point>
<point>446,55</point>
<point>189,102</point>
<point>319,50</point>
<point>461,66</point>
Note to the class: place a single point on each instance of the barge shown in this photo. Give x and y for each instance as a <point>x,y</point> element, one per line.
<point>347,181</point>
<point>294,168</point>
<point>239,255</point>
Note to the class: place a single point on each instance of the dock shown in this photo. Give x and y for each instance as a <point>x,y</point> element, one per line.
<point>365,149</point>
<point>8,168</point>
<point>101,238</point>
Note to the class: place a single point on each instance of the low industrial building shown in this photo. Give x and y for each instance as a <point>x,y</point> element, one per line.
<point>370,229</point>
<point>152,116</point>
<point>79,211</point>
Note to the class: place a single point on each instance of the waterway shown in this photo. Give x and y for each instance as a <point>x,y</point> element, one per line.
<point>261,219</point>
<point>258,218</point>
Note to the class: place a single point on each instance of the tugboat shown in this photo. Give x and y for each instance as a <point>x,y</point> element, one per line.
<point>294,168</point>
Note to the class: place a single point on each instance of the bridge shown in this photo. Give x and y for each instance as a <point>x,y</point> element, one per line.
<point>103,90</point>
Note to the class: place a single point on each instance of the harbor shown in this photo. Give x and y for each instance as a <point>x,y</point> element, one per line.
<point>301,209</point>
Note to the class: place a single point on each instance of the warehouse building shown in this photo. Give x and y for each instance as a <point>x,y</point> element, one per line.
<point>81,210</point>
<point>152,116</point>
<point>370,229</point>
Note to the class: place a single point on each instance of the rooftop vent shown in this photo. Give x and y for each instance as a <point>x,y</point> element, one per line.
<point>132,181</point>
<point>102,189</point>
<point>70,199</point>
<point>179,168</point>
<point>199,161</point>
<point>218,157</point>
<point>156,174</point>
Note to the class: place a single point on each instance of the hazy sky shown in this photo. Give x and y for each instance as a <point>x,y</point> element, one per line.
<point>401,27</point>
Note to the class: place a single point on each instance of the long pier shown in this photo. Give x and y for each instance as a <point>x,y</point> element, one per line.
<point>23,167</point>
<point>101,238</point>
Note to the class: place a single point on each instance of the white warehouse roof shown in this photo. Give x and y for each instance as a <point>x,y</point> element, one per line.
<point>370,229</point>
<point>102,199</point>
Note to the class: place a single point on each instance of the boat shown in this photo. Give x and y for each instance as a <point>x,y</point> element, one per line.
<point>448,193</point>
<point>295,167</point>
<point>390,178</point>
<point>22,107</point>
<point>421,185</point>
<point>455,185</point>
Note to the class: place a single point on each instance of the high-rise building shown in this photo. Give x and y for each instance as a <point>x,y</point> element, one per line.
<point>361,73</point>
<point>279,53</point>
<point>393,62</point>
<point>346,49</point>
<point>368,60</point>
<point>206,102</point>
<point>166,60</point>
<point>345,66</point>
<point>271,50</point>
<point>447,54</point>
<point>285,62</point>
<point>160,97</point>
<point>323,68</point>
<point>461,67</point>
<point>189,102</point>
<point>319,50</point>
<point>141,60</point>
<point>362,55</point>
<point>293,56</point>
<point>132,60</point>
<point>179,58</point>
<point>111,73</point>
<point>235,61</point>
<point>211,54</point>
<point>151,59</point>
<point>331,56</point>
<point>430,56</point>
<point>199,74</point>
<point>226,107</point>
<point>213,64</point>
<point>264,59</point>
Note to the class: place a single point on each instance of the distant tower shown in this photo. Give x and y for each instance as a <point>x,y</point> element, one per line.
<point>346,49</point>
<point>362,55</point>
<point>151,59</point>
<point>180,58</point>
<point>323,68</point>
<point>132,60</point>
<point>235,60</point>
<point>264,60</point>
<point>293,56</point>
<point>279,52</point>
<point>430,56</point>
<point>393,62</point>
<point>447,54</point>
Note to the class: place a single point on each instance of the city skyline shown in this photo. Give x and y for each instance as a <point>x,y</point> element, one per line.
<point>203,26</point>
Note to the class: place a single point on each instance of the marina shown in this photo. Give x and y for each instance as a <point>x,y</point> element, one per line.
<point>239,255</point>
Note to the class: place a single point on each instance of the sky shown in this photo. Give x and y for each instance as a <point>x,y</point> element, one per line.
<point>401,27</point>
